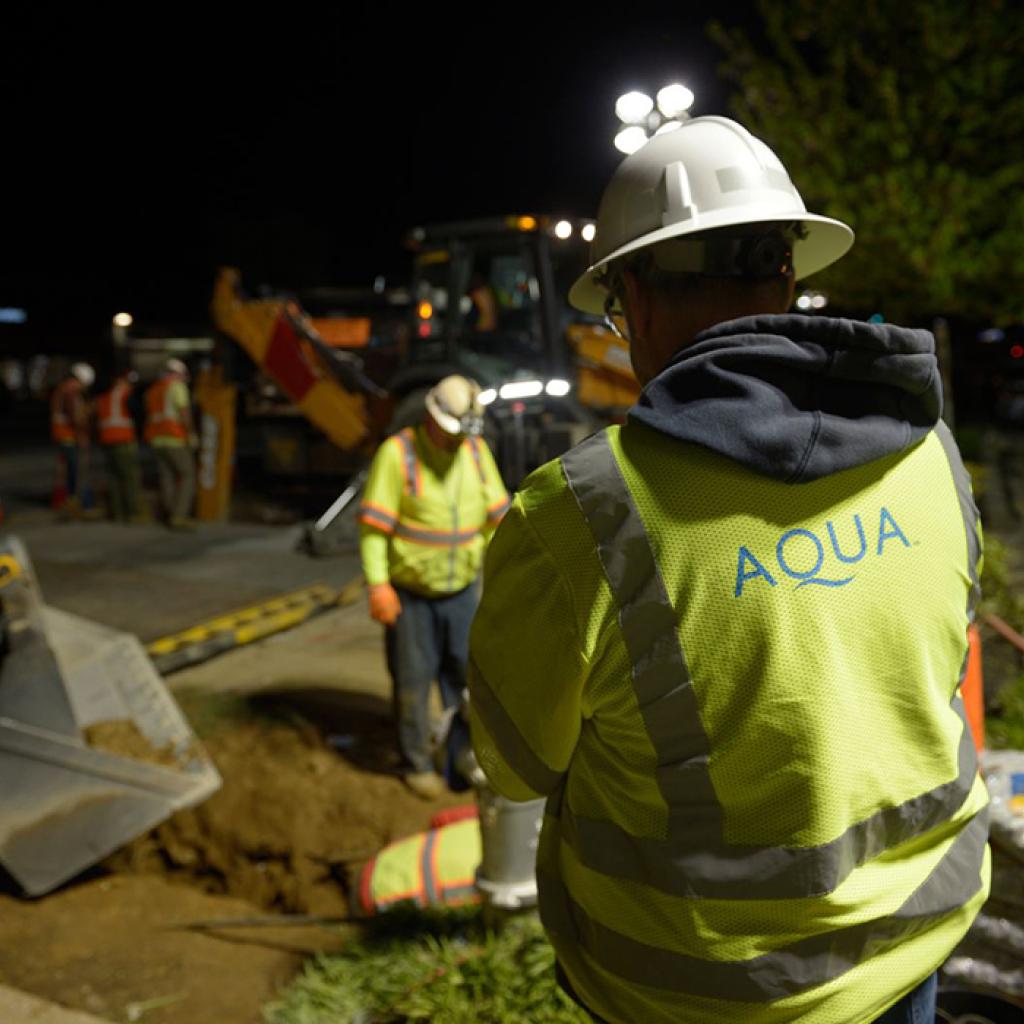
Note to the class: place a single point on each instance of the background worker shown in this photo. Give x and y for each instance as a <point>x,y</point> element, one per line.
<point>70,430</point>
<point>433,497</point>
<point>116,429</point>
<point>726,639</point>
<point>170,432</point>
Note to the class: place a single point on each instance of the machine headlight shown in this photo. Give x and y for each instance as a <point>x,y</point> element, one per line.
<point>521,389</point>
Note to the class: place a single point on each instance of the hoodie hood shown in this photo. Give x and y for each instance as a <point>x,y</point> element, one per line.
<point>796,398</point>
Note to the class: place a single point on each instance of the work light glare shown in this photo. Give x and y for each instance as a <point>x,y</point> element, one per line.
<point>674,100</point>
<point>588,232</point>
<point>563,229</point>
<point>487,396</point>
<point>629,140</point>
<point>633,107</point>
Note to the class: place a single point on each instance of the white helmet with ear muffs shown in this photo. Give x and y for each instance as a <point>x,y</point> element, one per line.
<point>710,178</point>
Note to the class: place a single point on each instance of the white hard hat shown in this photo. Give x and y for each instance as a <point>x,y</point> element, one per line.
<point>454,405</point>
<point>710,173</point>
<point>176,366</point>
<point>83,373</point>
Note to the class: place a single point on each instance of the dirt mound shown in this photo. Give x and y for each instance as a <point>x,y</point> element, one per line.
<point>292,823</point>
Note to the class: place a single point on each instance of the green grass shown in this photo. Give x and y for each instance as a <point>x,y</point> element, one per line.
<point>442,966</point>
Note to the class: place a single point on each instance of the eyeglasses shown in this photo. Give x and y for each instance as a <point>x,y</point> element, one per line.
<point>614,316</point>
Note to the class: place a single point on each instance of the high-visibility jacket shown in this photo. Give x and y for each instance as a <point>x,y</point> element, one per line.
<point>63,402</point>
<point>164,421</point>
<point>742,698</point>
<point>427,514</point>
<point>113,420</point>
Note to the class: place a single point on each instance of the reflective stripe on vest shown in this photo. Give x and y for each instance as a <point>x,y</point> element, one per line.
<point>115,425</point>
<point>432,868</point>
<point>694,860</point>
<point>61,429</point>
<point>163,419</point>
<point>407,442</point>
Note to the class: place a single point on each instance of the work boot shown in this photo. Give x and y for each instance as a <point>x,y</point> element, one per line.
<point>426,785</point>
<point>182,523</point>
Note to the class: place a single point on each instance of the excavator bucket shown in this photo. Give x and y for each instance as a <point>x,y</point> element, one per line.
<point>94,750</point>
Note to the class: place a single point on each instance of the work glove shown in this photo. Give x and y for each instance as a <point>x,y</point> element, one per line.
<point>384,604</point>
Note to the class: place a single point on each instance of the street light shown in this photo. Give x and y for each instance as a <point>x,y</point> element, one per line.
<point>639,121</point>
<point>123,320</point>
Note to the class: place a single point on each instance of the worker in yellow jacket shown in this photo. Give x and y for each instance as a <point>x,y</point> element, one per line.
<point>726,639</point>
<point>432,499</point>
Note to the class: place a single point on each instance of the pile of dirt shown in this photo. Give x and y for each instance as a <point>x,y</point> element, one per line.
<point>124,738</point>
<point>292,824</point>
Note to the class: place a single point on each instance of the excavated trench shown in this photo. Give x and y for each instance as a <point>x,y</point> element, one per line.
<point>309,795</point>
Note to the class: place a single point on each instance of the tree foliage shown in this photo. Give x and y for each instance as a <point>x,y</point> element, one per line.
<point>907,122</point>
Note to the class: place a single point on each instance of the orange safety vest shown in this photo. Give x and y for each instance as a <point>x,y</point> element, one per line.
<point>62,430</point>
<point>115,424</point>
<point>162,417</point>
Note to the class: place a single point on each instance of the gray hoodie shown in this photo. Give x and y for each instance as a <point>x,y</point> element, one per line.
<point>797,397</point>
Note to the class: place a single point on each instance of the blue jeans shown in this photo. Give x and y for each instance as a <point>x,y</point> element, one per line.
<point>429,641</point>
<point>916,1007</point>
<point>70,456</point>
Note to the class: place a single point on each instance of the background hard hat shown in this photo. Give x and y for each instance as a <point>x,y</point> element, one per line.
<point>176,366</point>
<point>454,405</point>
<point>83,373</point>
<point>710,173</point>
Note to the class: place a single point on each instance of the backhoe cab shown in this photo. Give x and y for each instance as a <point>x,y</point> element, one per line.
<point>489,301</point>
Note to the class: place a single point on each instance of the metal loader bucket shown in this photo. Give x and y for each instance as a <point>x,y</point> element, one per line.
<point>93,749</point>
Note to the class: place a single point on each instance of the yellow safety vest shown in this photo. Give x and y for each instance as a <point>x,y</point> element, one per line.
<point>436,511</point>
<point>432,868</point>
<point>742,698</point>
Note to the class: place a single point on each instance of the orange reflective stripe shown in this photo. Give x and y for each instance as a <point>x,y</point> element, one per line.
<point>374,515</point>
<point>417,534</point>
<point>161,417</point>
<point>61,429</point>
<point>411,470</point>
<point>115,425</point>
<point>474,447</point>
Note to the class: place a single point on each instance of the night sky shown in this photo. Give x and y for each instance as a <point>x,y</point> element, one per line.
<point>142,150</point>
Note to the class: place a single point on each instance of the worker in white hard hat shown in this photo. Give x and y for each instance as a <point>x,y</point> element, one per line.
<point>70,431</point>
<point>171,433</point>
<point>433,498</point>
<point>726,638</point>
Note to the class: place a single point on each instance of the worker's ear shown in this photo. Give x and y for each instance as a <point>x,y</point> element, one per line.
<point>638,306</point>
